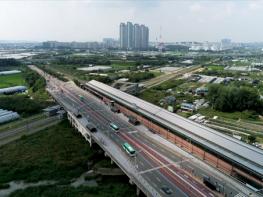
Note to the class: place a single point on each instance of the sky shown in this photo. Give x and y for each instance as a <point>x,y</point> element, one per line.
<point>93,20</point>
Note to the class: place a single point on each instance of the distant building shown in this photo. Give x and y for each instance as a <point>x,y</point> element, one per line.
<point>9,72</point>
<point>51,111</point>
<point>134,37</point>
<point>137,36</point>
<point>226,44</point>
<point>7,116</point>
<point>110,43</point>
<point>13,90</point>
<point>71,45</point>
<point>188,107</point>
<point>144,37</point>
<point>130,35</point>
<point>123,36</point>
<point>201,91</point>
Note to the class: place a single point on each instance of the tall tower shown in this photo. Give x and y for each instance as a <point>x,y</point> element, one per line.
<point>160,44</point>
<point>144,37</point>
<point>123,36</point>
<point>130,35</point>
<point>137,36</point>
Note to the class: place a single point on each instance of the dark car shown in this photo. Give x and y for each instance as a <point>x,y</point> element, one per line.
<point>166,190</point>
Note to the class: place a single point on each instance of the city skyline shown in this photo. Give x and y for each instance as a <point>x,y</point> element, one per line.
<point>94,20</point>
<point>133,36</point>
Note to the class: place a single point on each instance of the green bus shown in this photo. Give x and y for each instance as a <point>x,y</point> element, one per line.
<point>114,126</point>
<point>81,97</point>
<point>128,148</point>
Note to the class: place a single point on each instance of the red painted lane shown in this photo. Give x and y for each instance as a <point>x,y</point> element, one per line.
<point>195,189</point>
<point>164,171</point>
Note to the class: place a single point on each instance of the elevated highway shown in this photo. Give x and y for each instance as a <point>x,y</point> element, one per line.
<point>158,164</point>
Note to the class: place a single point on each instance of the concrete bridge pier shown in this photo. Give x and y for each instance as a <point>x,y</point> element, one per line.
<point>131,182</point>
<point>138,191</point>
<point>84,131</point>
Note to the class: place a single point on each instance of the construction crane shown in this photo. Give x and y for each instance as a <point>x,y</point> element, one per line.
<point>160,44</point>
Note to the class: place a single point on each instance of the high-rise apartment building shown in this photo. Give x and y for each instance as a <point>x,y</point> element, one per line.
<point>130,35</point>
<point>137,36</point>
<point>144,37</point>
<point>123,36</point>
<point>134,37</point>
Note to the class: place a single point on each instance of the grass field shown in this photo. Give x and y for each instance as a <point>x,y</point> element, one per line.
<point>245,115</point>
<point>11,80</point>
<point>215,67</point>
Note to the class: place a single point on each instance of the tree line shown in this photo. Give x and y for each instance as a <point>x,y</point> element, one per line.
<point>9,62</point>
<point>232,98</point>
<point>34,80</point>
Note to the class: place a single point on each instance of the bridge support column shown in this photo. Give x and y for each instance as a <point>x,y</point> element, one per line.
<point>90,142</point>
<point>138,191</point>
<point>130,181</point>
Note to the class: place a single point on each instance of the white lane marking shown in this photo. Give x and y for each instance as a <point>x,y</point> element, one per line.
<point>155,168</point>
<point>155,184</point>
<point>158,179</point>
<point>154,145</point>
<point>132,132</point>
<point>173,172</point>
<point>142,164</point>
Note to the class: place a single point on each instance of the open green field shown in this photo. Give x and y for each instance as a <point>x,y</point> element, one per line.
<point>11,80</point>
<point>215,67</point>
<point>245,115</point>
<point>121,65</point>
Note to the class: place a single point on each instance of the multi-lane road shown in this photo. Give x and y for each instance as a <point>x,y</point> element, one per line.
<point>27,128</point>
<point>159,164</point>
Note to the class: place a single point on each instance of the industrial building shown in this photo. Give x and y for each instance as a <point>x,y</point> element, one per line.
<point>221,151</point>
<point>13,90</point>
<point>51,111</point>
<point>7,116</point>
<point>9,72</point>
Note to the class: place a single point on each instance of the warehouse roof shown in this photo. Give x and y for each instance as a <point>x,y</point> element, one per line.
<point>6,116</point>
<point>242,153</point>
<point>9,72</point>
<point>13,89</point>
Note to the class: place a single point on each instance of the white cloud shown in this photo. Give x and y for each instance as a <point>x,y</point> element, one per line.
<point>196,7</point>
<point>255,5</point>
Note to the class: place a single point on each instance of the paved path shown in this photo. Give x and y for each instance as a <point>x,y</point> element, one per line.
<point>27,129</point>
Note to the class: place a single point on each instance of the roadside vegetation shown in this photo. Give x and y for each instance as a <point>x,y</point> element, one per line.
<point>232,98</point>
<point>108,187</point>
<point>59,154</point>
<point>22,104</point>
<point>9,63</point>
